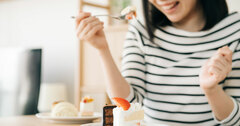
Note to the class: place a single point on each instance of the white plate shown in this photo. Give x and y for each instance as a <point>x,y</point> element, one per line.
<point>78,119</point>
<point>100,124</point>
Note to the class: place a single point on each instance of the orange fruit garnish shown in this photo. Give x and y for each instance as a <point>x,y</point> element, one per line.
<point>87,99</point>
<point>129,17</point>
<point>120,102</point>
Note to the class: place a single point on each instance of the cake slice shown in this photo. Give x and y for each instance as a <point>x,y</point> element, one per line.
<point>137,115</point>
<point>127,114</point>
<point>87,106</point>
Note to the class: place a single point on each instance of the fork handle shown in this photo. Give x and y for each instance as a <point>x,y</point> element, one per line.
<point>115,17</point>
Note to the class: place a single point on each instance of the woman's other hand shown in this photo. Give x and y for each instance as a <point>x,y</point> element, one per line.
<point>216,69</point>
<point>90,29</point>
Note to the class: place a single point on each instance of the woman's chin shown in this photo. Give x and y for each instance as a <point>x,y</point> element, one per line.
<point>174,19</point>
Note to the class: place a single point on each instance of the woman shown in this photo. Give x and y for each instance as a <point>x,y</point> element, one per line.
<point>183,65</point>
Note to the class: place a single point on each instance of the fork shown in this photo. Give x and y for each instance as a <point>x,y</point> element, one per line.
<point>121,17</point>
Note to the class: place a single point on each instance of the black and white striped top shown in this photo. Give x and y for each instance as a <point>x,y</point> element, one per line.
<point>163,74</point>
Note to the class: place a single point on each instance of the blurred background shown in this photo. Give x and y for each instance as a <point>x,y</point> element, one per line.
<point>42,61</point>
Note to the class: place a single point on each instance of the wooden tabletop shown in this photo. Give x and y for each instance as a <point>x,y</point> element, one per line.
<point>29,121</point>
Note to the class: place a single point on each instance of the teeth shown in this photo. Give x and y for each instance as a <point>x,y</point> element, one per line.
<point>165,7</point>
<point>168,7</point>
<point>159,2</point>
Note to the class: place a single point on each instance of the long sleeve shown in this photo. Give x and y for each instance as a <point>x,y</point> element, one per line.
<point>232,87</point>
<point>133,66</point>
<point>234,118</point>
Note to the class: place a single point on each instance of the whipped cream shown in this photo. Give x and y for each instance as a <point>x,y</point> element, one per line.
<point>86,107</point>
<point>64,109</point>
<point>130,117</point>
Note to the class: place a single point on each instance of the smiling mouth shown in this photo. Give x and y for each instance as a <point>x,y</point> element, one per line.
<point>168,6</point>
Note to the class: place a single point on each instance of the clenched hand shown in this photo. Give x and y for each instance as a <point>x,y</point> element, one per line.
<point>216,69</point>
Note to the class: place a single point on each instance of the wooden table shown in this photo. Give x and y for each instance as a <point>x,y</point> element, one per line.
<point>28,121</point>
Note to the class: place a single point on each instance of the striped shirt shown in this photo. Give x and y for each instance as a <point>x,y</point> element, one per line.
<point>164,73</point>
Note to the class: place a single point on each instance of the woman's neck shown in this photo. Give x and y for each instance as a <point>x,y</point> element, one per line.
<point>195,21</point>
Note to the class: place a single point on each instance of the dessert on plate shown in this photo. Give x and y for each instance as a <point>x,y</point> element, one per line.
<point>126,114</point>
<point>63,109</point>
<point>87,106</point>
<point>129,12</point>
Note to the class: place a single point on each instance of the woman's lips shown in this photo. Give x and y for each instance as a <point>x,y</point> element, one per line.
<point>168,7</point>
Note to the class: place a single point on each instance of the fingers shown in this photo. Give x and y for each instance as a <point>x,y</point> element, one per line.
<point>81,16</point>
<point>216,73</point>
<point>87,22</point>
<point>90,29</point>
<point>220,64</point>
<point>216,70</point>
<point>214,66</point>
<point>97,28</point>
<point>219,61</point>
<point>225,52</point>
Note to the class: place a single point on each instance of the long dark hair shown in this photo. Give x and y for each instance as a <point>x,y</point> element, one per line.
<point>214,11</point>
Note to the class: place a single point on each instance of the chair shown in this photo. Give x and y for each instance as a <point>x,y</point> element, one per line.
<point>20,78</point>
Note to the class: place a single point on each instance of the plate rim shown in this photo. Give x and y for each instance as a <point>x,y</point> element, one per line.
<point>88,124</point>
<point>40,116</point>
<point>100,124</point>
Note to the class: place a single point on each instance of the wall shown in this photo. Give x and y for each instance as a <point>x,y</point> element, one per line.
<point>45,24</point>
<point>234,5</point>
